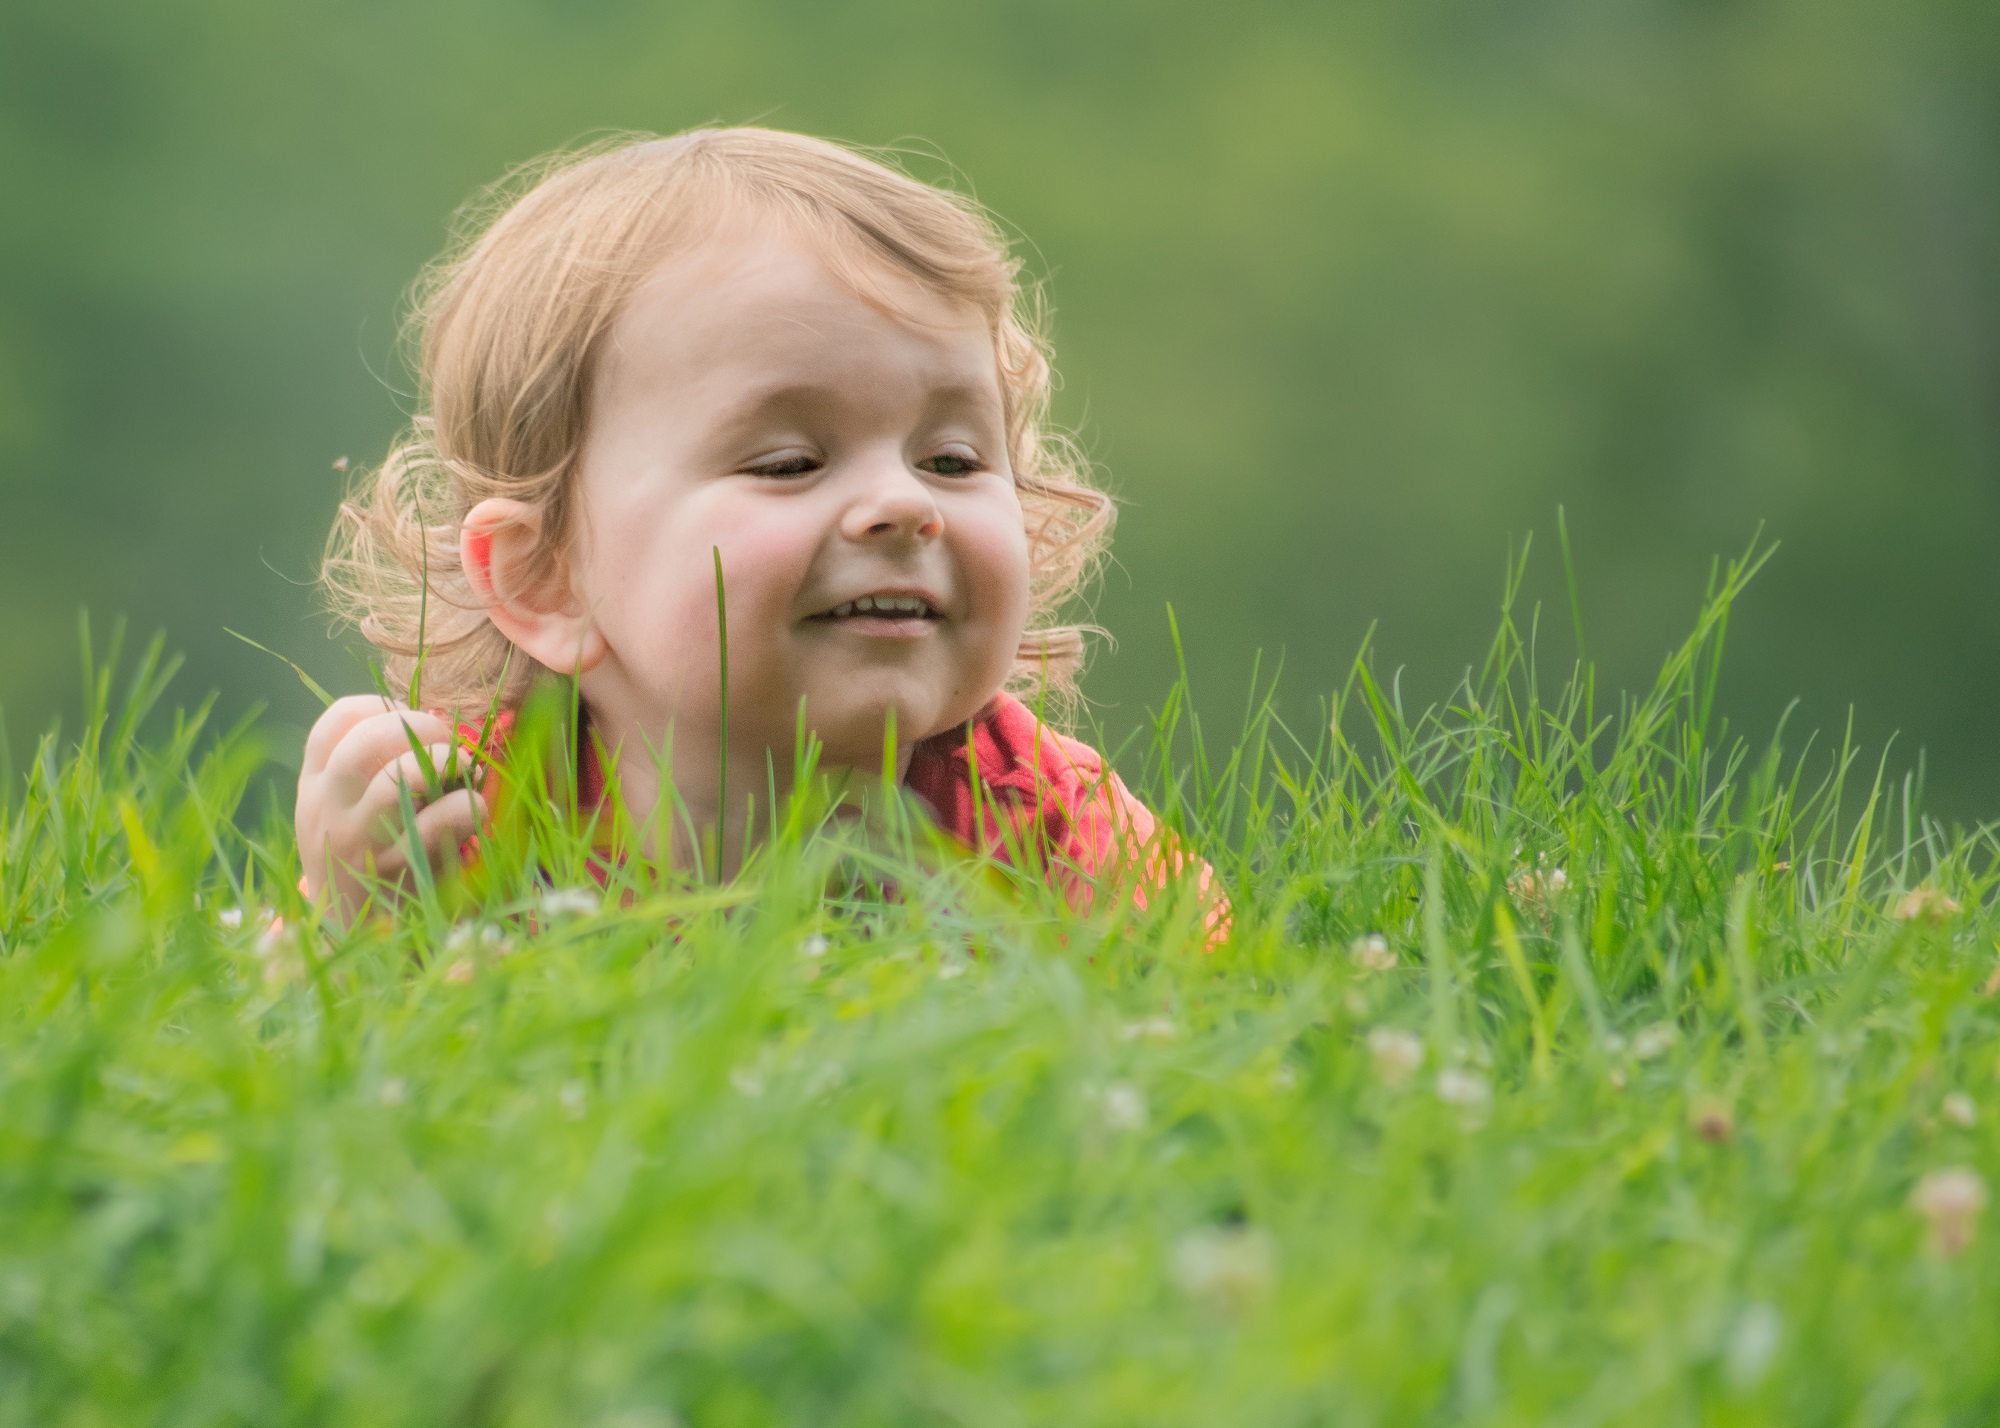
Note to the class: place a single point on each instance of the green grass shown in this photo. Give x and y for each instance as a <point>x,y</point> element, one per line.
<point>783,1151</point>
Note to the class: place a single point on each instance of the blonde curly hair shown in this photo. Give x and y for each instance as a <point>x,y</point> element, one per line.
<point>508,325</point>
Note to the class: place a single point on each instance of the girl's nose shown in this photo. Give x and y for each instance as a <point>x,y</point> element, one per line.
<point>892,502</point>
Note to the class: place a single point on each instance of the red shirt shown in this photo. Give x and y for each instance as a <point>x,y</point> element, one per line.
<point>1042,799</point>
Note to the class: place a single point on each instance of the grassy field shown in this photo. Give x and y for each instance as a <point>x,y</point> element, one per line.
<point>1565,1063</point>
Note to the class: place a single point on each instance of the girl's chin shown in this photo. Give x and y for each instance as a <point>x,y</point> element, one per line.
<point>854,736</point>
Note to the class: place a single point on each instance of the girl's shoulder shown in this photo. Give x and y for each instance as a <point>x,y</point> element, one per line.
<point>1008,746</point>
<point>1007,774</point>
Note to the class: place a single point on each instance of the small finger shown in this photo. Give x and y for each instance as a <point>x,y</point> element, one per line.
<point>446,824</point>
<point>383,799</point>
<point>374,742</point>
<point>335,724</point>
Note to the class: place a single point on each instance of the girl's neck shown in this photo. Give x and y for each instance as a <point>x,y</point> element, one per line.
<point>687,774</point>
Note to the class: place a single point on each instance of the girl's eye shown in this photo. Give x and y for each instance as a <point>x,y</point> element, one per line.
<point>786,466</point>
<point>948,464</point>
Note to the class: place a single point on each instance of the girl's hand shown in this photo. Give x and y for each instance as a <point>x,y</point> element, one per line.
<point>350,816</point>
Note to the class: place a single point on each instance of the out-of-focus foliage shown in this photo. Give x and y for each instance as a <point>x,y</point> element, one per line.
<point>1347,293</point>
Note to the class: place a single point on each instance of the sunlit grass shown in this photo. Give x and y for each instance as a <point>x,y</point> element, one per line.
<point>1565,1061</point>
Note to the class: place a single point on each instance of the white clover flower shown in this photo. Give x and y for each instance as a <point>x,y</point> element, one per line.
<point>1960,1109</point>
<point>1950,1202</point>
<point>1397,1054</point>
<point>230,919</point>
<point>1457,1086</point>
<point>464,935</point>
<point>814,946</point>
<point>1927,904</point>
<point>1655,1040</point>
<point>1123,1106</point>
<point>1533,887</point>
<point>1753,1343</point>
<point>1371,953</point>
<point>1152,1028</point>
<point>1226,1270</point>
<point>570,902</point>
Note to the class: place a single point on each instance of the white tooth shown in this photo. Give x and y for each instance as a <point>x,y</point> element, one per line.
<point>904,602</point>
<point>844,609</point>
<point>864,603</point>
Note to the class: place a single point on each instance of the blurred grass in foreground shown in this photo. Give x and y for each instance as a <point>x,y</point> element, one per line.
<point>1565,1063</point>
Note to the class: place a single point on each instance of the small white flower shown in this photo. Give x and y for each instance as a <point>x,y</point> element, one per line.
<point>814,946</point>
<point>573,1096</point>
<point>1372,953</point>
<point>1753,1342</point>
<point>570,902</point>
<point>1397,1054</point>
<point>1533,887</point>
<point>1926,904</point>
<point>1950,1202</point>
<point>393,1091</point>
<point>1655,1040</point>
<point>1960,1109</point>
<point>463,935</point>
<point>1228,1270</point>
<point>231,918</point>
<point>1458,1087</point>
<point>1123,1106</point>
<point>1153,1028</point>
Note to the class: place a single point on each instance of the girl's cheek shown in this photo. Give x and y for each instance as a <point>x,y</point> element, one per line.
<point>996,546</point>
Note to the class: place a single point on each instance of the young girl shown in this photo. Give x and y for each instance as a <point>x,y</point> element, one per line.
<point>742,345</point>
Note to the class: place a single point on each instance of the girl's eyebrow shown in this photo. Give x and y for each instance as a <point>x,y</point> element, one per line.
<point>780,399</point>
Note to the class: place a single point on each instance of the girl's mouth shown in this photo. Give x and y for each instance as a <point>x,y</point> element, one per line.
<point>883,608</point>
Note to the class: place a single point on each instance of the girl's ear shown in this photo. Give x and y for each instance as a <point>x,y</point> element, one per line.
<point>542,615</point>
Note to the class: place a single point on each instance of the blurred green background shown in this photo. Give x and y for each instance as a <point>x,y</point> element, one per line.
<point>1348,296</point>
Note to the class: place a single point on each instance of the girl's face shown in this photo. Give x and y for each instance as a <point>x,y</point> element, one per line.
<point>840,458</point>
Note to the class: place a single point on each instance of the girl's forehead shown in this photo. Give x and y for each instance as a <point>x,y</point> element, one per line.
<point>751,293</point>
<point>747,264</point>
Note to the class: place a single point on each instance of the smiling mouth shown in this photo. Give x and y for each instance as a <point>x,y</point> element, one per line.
<point>881,607</point>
